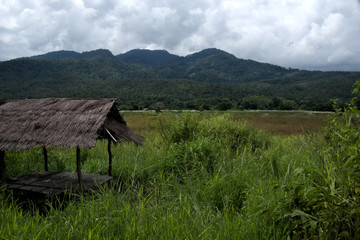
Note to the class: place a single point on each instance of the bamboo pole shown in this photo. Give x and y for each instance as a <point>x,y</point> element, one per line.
<point>45,159</point>
<point>78,169</point>
<point>2,165</point>
<point>110,157</point>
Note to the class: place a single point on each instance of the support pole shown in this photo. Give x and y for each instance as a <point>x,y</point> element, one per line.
<point>45,159</point>
<point>110,157</point>
<point>78,169</point>
<point>2,165</point>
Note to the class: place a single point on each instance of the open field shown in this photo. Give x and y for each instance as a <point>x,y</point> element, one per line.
<point>275,122</point>
<point>205,175</point>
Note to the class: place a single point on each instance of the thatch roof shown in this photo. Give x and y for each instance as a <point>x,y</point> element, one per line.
<point>58,122</point>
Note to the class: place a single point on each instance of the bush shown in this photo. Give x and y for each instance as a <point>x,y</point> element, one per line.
<point>221,131</point>
<point>226,193</point>
<point>327,204</point>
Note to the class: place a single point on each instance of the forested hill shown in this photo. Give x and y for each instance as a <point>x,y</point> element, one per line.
<point>140,79</point>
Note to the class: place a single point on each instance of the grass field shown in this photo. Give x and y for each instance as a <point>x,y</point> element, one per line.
<point>275,122</point>
<point>207,175</point>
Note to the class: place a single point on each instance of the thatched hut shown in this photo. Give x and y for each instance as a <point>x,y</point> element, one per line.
<point>61,122</point>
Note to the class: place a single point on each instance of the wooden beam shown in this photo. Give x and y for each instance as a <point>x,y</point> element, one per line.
<point>45,159</point>
<point>2,165</point>
<point>112,137</point>
<point>110,157</point>
<point>78,169</point>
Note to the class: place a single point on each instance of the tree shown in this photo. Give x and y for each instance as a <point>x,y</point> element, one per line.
<point>224,105</point>
<point>257,102</point>
<point>159,106</point>
<point>288,105</point>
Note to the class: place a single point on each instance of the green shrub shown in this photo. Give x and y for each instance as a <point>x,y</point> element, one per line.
<point>194,155</point>
<point>226,193</point>
<point>327,205</point>
<point>198,144</point>
<point>222,130</point>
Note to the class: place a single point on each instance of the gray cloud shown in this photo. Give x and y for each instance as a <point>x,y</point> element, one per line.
<point>307,34</point>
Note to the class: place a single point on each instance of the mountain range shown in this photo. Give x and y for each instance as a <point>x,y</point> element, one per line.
<point>142,78</point>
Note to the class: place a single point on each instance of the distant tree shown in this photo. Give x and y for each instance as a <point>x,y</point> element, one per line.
<point>288,105</point>
<point>124,107</point>
<point>192,105</point>
<point>135,107</point>
<point>223,106</point>
<point>256,102</point>
<point>275,104</point>
<point>204,106</point>
<point>159,106</point>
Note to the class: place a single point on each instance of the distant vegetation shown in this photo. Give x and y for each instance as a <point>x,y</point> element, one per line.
<point>210,79</point>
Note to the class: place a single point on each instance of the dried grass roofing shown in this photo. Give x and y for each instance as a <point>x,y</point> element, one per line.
<point>59,122</point>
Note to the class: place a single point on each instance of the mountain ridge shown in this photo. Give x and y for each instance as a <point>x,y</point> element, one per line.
<point>141,78</point>
<point>208,65</point>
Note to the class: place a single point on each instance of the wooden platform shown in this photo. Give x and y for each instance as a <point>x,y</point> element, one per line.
<point>54,183</point>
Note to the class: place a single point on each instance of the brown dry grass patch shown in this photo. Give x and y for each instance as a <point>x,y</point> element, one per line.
<point>285,122</point>
<point>275,122</point>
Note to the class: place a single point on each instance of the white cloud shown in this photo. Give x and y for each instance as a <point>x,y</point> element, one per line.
<point>302,34</point>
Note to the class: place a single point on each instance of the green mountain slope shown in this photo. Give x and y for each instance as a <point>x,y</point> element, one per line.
<point>216,66</point>
<point>58,55</point>
<point>152,58</point>
<point>211,78</point>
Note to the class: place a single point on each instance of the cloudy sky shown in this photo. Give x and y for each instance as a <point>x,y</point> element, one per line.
<point>306,34</point>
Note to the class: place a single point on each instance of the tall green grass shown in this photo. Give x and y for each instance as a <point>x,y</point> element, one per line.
<point>195,177</point>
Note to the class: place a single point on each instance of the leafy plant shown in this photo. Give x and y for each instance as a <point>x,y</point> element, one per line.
<point>327,204</point>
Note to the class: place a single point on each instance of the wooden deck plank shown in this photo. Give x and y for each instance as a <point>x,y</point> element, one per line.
<point>32,188</point>
<point>51,191</point>
<point>55,182</point>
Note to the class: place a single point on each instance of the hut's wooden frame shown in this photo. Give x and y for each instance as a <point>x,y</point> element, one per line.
<point>61,122</point>
<point>2,164</point>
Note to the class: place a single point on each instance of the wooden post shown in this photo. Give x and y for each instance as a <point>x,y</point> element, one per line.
<point>78,169</point>
<point>110,157</point>
<point>2,165</point>
<point>45,159</point>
